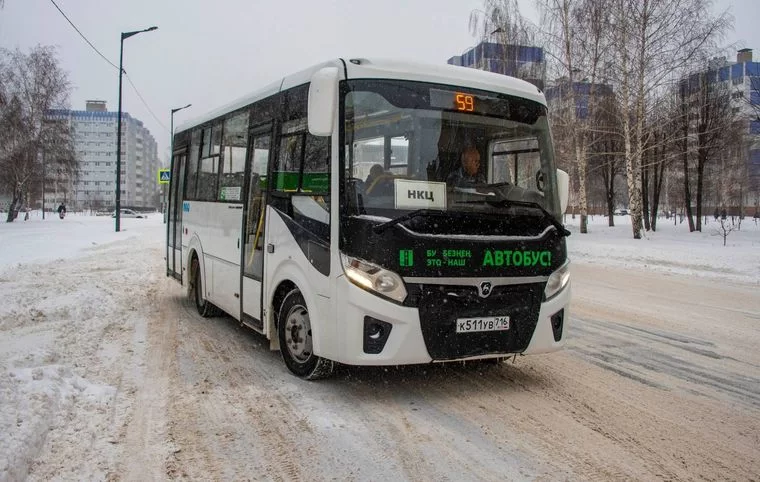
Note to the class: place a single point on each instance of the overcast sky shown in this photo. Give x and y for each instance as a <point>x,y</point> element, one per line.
<point>211,52</point>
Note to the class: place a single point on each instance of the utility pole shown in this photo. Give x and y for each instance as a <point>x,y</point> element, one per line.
<point>124,35</point>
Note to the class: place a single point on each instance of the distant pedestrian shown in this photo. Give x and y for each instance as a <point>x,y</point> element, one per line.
<point>61,210</point>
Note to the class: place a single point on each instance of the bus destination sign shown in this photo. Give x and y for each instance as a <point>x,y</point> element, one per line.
<point>460,258</point>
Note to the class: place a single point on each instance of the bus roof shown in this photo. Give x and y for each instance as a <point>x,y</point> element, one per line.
<point>361,68</point>
<point>443,74</point>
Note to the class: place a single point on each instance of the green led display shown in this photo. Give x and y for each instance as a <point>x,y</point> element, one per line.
<point>406,257</point>
<point>441,258</point>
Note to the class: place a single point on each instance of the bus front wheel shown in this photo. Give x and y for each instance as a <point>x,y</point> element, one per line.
<point>294,331</point>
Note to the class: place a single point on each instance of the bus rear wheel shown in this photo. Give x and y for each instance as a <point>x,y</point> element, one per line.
<point>205,308</point>
<point>294,331</point>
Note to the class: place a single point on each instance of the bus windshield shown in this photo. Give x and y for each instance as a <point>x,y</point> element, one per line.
<point>412,146</point>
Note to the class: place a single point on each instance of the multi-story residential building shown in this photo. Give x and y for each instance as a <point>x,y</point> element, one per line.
<point>521,61</point>
<point>743,81</point>
<point>95,145</point>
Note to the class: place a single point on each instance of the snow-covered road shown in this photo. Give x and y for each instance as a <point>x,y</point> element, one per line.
<point>108,373</point>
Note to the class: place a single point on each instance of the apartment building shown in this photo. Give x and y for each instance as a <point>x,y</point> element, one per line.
<point>521,61</point>
<point>742,78</point>
<point>94,187</point>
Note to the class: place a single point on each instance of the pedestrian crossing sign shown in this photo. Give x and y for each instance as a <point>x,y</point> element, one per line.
<point>164,176</point>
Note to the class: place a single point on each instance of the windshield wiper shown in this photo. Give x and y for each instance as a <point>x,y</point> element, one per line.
<point>413,214</point>
<point>501,203</point>
<point>530,204</point>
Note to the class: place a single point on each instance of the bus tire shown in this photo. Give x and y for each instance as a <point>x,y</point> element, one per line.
<point>205,308</point>
<point>294,332</point>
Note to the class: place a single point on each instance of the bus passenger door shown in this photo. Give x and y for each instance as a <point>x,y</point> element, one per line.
<point>252,263</point>
<point>174,223</point>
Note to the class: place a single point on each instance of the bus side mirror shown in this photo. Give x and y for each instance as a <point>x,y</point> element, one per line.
<point>323,99</point>
<point>563,188</point>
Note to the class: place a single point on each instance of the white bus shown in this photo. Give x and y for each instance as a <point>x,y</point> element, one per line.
<point>329,213</point>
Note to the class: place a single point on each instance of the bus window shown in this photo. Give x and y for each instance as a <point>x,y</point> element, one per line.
<point>398,153</point>
<point>206,150</point>
<point>232,171</point>
<point>502,168</point>
<point>208,170</point>
<point>254,223</point>
<point>288,163</point>
<point>207,177</point>
<point>192,165</point>
<point>316,165</point>
<point>516,162</point>
<point>368,152</point>
<point>216,139</point>
<point>312,209</point>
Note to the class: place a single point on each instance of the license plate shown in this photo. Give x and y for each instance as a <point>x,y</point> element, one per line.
<point>488,323</point>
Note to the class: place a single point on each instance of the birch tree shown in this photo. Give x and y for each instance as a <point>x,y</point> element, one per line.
<point>653,38</point>
<point>577,30</point>
<point>30,85</point>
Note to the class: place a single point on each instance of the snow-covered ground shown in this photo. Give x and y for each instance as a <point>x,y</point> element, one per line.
<point>39,241</point>
<point>68,288</point>
<point>671,248</point>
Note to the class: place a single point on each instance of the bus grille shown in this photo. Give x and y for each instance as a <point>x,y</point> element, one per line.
<point>440,306</point>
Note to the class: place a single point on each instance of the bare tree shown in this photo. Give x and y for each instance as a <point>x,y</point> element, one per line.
<point>577,30</point>
<point>662,135</point>
<point>726,227</point>
<point>31,85</point>
<point>682,143</point>
<point>654,38</point>
<point>717,128</point>
<point>604,160</point>
<point>730,173</point>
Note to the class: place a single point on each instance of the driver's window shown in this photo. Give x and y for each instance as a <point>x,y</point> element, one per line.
<point>516,162</point>
<point>528,165</point>
<point>501,168</point>
<point>399,155</point>
<point>368,153</point>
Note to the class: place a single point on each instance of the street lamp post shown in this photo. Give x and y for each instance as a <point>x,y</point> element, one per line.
<point>124,35</point>
<point>171,155</point>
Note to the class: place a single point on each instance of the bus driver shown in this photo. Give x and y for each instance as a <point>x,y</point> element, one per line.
<point>468,174</point>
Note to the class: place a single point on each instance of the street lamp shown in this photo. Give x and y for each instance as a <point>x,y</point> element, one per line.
<point>124,35</point>
<point>171,156</point>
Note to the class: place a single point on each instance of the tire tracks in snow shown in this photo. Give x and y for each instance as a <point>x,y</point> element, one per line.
<point>232,406</point>
<point>147,431</point>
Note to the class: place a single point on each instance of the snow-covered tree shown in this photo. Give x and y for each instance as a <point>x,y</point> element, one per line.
<point>30,85</point>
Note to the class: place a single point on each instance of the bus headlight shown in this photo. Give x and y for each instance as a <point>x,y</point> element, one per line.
<point>374,278</point>
<point>558,280</point>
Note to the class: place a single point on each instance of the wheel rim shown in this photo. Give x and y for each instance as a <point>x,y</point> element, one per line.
<point>298,334</point>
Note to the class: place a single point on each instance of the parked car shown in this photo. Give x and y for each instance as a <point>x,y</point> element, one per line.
<point>621,212</point>
<point>128,213</point>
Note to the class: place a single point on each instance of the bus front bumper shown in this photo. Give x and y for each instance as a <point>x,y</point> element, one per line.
<point>374,331</point>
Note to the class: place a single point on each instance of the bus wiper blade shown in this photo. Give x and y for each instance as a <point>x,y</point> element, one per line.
<point>529,204</point>
<point>405,217</point>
